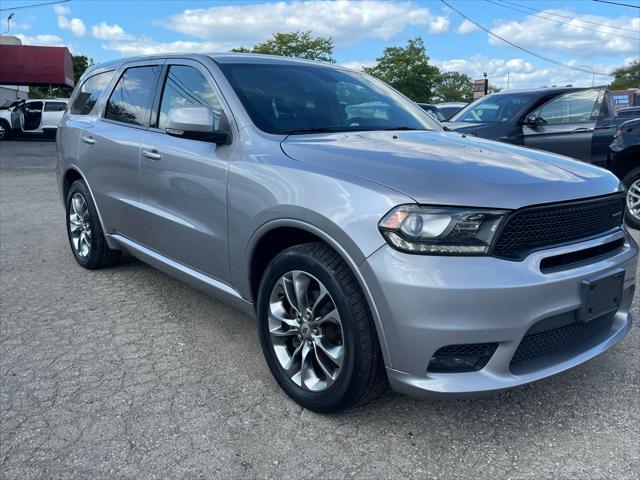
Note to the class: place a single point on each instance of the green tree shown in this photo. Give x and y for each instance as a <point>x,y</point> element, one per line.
<point>407,69</point>
<point>454,87</point>
<point>80,64</point>
<point>626,77</point>
<point>295,44</point>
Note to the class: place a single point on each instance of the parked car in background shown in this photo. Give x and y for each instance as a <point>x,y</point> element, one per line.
<point>577,122</point>
<point>624,161</point>
<point>449,109</point>
<point>628,112</point>
<point>442,111</point>
<point>32,117</point>
<point>368,242</point>
<point>433,111</point>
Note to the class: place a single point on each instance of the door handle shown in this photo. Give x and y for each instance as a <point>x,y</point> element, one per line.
<point>582,130</point>
<point>152,154</point>
<point>88,140</point>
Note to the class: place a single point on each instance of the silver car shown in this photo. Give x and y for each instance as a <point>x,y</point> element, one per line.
<point>369,243</point>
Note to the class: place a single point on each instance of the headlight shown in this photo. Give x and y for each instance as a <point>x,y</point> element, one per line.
<point>441,230</point>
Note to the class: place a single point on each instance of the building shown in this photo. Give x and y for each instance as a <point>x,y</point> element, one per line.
<point>11,92</point>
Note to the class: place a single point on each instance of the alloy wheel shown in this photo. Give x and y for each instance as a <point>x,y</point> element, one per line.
<point>305,330</point>
<point>79,225</point>
<point>633,199</point>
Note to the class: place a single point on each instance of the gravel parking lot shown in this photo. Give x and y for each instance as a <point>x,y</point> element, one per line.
<point>128,373</point>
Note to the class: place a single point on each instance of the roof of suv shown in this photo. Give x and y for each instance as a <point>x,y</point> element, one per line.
<point>230,57</point>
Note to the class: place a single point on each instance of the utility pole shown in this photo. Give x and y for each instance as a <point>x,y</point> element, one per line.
<point>508,73</point>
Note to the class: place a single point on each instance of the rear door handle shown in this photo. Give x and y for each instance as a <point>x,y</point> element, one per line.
<point>88,140</point>
<point>582,130</point>
<point>152,154</point>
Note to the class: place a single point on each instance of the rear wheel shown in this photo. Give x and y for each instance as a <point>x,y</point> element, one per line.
<point>631,182</point>
<point>86,237</point>
<point>316,331</point>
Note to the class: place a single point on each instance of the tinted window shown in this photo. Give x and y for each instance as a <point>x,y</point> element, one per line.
<point>298,98</point>
<point>493,108</point>
<point>433,111</point>
<point>33,106</point>
<point>186,86</point>
<point>631,113</point>
<point>54,106</point>
<point>575,107</point>
<point>130,101</point>
<point>89,93</point>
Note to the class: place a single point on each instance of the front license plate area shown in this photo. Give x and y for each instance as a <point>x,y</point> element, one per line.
<point>601,295</point>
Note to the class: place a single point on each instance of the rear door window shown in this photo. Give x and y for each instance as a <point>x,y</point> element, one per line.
<point>90,92</point>
<point>130,101</point>
<point>54,106</point>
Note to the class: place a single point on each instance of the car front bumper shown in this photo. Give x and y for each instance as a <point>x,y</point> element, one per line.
<point>425,303</point>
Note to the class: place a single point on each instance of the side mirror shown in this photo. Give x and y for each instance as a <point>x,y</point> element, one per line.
<point>533,121</point>
<point>197,123</point>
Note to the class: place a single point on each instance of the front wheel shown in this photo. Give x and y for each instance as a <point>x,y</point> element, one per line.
<point>631,182</point>
<point>5,130</point>
<point>316,331</point>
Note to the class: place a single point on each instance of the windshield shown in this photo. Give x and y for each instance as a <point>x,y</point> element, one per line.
<point>493,108</point>
<point>291,99</point>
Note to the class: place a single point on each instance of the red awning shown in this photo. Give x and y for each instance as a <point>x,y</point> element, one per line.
<point>30,65</point>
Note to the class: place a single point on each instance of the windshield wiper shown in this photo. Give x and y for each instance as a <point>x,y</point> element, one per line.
<point>405,128</point>
<point>301,131</point>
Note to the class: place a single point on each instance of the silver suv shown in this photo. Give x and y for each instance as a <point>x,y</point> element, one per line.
<point>368,242</point>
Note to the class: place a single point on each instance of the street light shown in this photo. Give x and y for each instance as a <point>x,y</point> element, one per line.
<point>593,74</point>
<point>11,15</point>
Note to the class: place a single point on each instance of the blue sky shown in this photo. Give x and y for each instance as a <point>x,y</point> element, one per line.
<point>594,35</point>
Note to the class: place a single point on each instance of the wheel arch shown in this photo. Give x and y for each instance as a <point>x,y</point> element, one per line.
<point>71,174</point>
<point>626,161</point>
<point>277,235</point>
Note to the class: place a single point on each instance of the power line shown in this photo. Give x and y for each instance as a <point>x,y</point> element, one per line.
<point>541,57</point>
<point>546,12</point>
<point>565,23</point>
<point>34,5</point>
<point>619,4</point>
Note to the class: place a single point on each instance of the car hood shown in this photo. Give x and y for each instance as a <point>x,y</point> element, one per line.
<point>451,169</point>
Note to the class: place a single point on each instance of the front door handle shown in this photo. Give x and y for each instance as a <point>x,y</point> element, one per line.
<point>152,154</point>
<point>88,140</point>
<point>582,130</point>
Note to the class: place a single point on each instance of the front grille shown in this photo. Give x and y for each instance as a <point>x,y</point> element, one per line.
<point>534,228</point>
<point>539,344</point>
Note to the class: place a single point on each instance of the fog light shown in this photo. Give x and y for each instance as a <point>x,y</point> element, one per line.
<point>462,358</point>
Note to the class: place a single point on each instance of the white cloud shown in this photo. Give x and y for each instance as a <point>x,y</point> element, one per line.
<point>344,21</point>
<point>104,31</point>
<point>466,27</point>
<point>572,36</point>
<point>359,65</point>
<point>76,25</point>
<point>518,73</point>
<point>61,10</point>
<point>147,46</point>
<point>47,40</point>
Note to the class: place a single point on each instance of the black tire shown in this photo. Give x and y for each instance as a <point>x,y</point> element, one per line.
<point>628,180</point>
<point>362,376</point>
<point>5,130</point>
<point>99,254</point>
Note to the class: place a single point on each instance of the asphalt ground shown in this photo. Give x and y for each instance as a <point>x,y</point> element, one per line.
<point>129,373</point>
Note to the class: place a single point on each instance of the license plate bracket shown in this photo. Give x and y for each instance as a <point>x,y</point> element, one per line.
<point>601,295</point>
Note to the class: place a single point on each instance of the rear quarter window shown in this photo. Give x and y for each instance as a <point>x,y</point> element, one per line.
<point>54,106</point>
<point>89,93</point>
